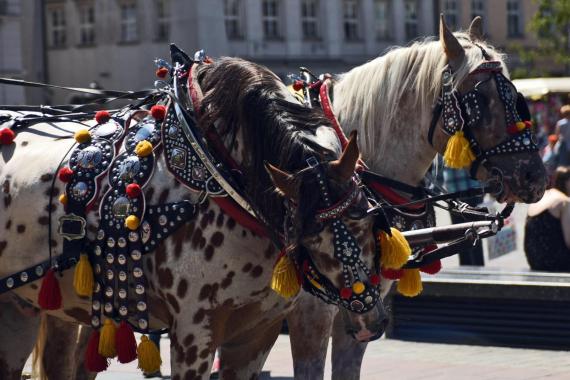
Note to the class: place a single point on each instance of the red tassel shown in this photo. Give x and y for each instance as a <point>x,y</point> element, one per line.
<point>7,136</point>
<point>65,174</point>
<point>126,343</point>
<point>392,274</point>
<point>158,112</point>
<point>50,295</point>
<point>94,361</point>
<point>432,268</point>
<point>102,117</point>
<point>133,190</point>
<point>512,129</point>
<point>162,72</point>
<point>345,293</point>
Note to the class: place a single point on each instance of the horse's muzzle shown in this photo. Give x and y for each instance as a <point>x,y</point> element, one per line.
<point>368,326</point>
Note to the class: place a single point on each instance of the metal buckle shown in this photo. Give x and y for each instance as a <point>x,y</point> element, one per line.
<point>71,218</point>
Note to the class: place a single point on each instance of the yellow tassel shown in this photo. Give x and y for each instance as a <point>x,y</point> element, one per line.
<point>284,280</point>
<point>149,356</point>
<point>394,250</point>
<point>107,339</point>
<point>458,153</point>
<point>83,277</point>
<point>410,285</point>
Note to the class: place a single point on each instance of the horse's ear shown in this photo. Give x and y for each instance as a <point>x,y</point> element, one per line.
<point>476,29</point>
<point>343,168</point>
<point>283,181</point>
<point>451,45</point>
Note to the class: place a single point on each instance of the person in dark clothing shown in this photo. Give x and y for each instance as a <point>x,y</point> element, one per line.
<point>547,229</point>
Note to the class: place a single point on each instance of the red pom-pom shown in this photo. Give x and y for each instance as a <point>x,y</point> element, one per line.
<point>102,117</point>
<point>49,297</point>
<point>298,85</point>
<point>7,136</point>
<point>133,190</point>
<point>512,129</point>
<point>432,268</point>
<point>345,293</point>
<point>126,343</point>
<point>65,174</point>
<point>158,112</point>
<point>162,72</point>
<point>374,279</point>
<point>94,361</point>
<point>528,123</point>
<point>392,274</point>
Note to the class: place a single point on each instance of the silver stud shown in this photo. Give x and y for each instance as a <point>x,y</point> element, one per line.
<point>96,305</point>
<point>39,270</point>
<point>9,282</point>
<point>110,258</point>
<point>133,236</point>
<point>110,274</point>
<point>109,292</point>
<point>139,289</point>
<point>141,306</point>
<point>136,254</point>
<point>123,310</point>
<point>122,293</point>
<point>110,242</point>
<point>122,276</point>
<point>95,321</point>
<point>143,324</point>
<point>137,272</point>
<point>162,220</point>
<point>100,234</point>
<point>122,242</point>
<point>108,307</point>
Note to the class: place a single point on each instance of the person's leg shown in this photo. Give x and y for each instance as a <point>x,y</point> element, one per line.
<point>473,256</point>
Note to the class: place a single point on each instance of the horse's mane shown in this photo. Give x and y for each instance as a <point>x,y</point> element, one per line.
<point>247,98</point>
<point>371,92</point>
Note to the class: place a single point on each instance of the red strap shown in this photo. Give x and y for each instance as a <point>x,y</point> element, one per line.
<point>246,220</point>
<point>392,196</point>
<point>327,109</point>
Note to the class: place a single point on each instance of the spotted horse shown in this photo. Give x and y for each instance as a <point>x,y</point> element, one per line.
<point>455,86</point>
<point>175,181</point>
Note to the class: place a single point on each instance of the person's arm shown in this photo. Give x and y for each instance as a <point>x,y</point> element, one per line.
<point>565,221</point>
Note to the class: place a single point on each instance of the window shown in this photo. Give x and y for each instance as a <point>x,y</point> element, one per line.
<point>451,14</point>
<point>162,20</point>
<point>232,13</point>
<point>350,18</point>
<point>58,34</point>
<point>86,24</point>
<point>477,8</point>
<point>309,19</point>
<point>514,28</point>
<point>271,24</point>
<point>129,27</point>
<point>411,19</point>
<point>382,19</point>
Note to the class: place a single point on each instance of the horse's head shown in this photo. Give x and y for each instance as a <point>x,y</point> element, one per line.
<point>480,101</point>
<point>334,235</point>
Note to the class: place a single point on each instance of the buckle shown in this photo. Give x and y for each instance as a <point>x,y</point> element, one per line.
<point>72,227</point>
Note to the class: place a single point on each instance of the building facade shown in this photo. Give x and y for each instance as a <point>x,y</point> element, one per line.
<point>112,43</point>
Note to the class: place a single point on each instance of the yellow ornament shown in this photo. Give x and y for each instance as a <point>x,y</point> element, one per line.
<point>83,277</point>
<point>458,153</point>
<point>149,356</point>
<point>410,285</point>
<point>143,148</point>
<point>284,280</point>
<point>358,287</point>
<point>521,126</point>
<point>107,340</point>
<point>82,136</point>
<point>394,250</point>
<point>63,199</point>
<point>132,222</point>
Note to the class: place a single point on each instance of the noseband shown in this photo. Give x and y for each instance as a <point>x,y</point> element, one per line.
<point>463,112</point>
<point>360,291</point>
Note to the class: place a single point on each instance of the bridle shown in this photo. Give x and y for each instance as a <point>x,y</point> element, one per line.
<point>462,112</point>
<point>360,292</point>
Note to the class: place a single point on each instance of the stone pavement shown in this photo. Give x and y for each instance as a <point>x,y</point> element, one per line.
<point>399,360</point>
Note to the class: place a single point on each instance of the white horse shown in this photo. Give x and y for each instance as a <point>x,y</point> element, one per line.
<point>390,102</point>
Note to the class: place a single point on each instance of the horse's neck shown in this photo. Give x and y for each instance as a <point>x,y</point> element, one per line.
<point>399,151</point>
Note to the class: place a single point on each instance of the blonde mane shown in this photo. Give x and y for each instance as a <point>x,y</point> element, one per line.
<point>372,94</point>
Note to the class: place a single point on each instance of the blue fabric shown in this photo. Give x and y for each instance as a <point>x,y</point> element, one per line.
<point>458,180</point>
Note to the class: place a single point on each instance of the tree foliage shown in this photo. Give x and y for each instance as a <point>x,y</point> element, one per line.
<point>551,25</point>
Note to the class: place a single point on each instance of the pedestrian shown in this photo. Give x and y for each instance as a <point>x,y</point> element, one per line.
<point>550,157</point>
<point>547,229</point>
<point>460,180</point>
<point>563,133</point>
